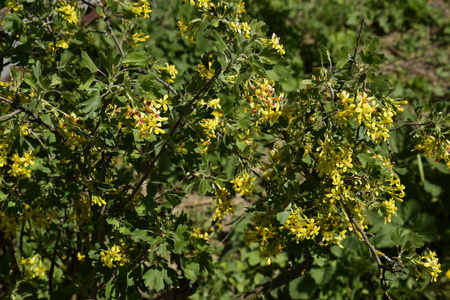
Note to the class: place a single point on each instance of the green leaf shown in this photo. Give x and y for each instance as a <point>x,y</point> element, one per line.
<point>157,277</point>
<point>86,62</point>
<point>396,235</point>
<point>91,105</point>
<point>140,235</point>
<point>181,239</point>
<point>365,158</point>
<point>278,72</point>
<point>341,58</point>
<point>204,187</point>
<point>241,146</point>
<point>283,216</point>
<point>190,268</point>
<point>87,83</point>
<point>138,58</point>
<point>220,44</point>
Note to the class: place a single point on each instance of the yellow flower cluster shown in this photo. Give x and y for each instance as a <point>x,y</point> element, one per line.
<point>172,72</point>
<point>241,28</point>
<point>64,44</point>
<point>197,234</point>
<point>68,13</point>
<point>432,147</point>
<point>334,158</point>
<point>201,3</point>
<point>224,204</point>
<point>428,264</point>
<point>97,200</point>
<point>274,43</point>
<point>8,224</point>
<point>3,154</point>
<point>263,100</point>
<point>141,9</point>
<point>13,5</point>
<point>271,241</point>
<point>364,109</point>
<point>301,226</point>
<point>32,267</point>
<point>148,119</point>
<point>188,30</point>
<point>38,217</point>
<point>390,208</point>
<point>113,257</point>
<point>244,184</point>
<point>20,164</point>
<point>67,126</point>
<point>81,210</point>
<point>210,125</point>
<point>204,72</point>
<point>138,37</point>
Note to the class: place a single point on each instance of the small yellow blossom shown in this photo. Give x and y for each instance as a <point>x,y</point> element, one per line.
<point>141,9</point>
<point>68,13</point>
<point>428,264</point>
<point>172,72</point>
<point>274,43</point>
<point>137,38</point>
<point>244,184</point>
<point>97,200</point>
<point>20,164</point>
<point>113,257</point>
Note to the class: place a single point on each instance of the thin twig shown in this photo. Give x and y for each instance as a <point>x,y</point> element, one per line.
<point>282,279</point>
<point>35,117</point>
<point>350,66</point>
<point>111,31</point>
<point>411,124</point>
<point>118,207</point>
<point>381,266</point>
<point>167,85</point>
<point>187,178</point>
<point>52,266</point>
<point>10,114</point>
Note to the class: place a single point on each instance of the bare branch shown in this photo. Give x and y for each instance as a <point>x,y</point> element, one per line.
<point>10,114</point>
<point>284,278</point>
<point>411,124</point>
<point>35,117</point>
<point>381,267</point>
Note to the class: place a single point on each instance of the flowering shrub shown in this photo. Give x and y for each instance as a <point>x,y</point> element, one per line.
<point>102,142</point>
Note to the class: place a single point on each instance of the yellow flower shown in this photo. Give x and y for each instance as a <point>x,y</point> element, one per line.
<point>68,13</point>
<point>141,9</point>
<point>20,164</point>
<point>163,102</point>
<point>138,38</point>
<point>244,184</point>
<point>171,70</point>
<point>428,264</point>
<point>274,43</point>
<point>113,257</point>
<point>97,200</point>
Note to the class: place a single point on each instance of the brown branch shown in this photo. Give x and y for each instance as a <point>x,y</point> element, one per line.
<point>381,267</point>
<point>34,116</point>
<point>167,85</point>
<point>282,279</point>
<point>411,124</point>
<point>52,266</point>
<point>10,114</point>
<point>120,205</point>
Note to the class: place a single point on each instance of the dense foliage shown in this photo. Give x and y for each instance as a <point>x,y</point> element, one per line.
<point>179,149</point>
